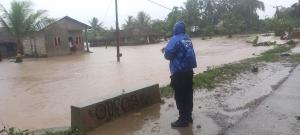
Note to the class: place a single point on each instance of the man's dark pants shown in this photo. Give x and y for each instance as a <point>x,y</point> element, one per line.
<point>182,83</point>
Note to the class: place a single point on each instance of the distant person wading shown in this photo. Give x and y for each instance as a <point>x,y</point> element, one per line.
<point>179,51</point>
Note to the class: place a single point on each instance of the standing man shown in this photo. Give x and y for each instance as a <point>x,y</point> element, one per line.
<point>179,51</point>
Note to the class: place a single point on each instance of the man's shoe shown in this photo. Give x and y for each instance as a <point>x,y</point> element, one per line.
<point>179,123</point>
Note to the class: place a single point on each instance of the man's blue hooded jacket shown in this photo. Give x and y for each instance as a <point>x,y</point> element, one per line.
<point>180,50</point>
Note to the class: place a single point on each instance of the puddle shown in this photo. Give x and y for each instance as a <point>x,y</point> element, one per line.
<point>215,111</point>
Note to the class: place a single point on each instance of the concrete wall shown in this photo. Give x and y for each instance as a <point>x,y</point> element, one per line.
<point>27,47</point>
<point>39,41</point>
<point>47,40</point>
<point>53,32</point>
<point>40,45</point>
<point>93,114</point>
<point>62,29</point>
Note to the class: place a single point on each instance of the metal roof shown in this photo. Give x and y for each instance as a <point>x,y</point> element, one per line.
<point>70,19</point>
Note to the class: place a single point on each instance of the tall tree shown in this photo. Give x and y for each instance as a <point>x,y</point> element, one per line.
<point>143,19</point>
<point>209,17</point>
<point>248,9</point>
<point>159,26</point>
<point>192,15</point>
<point>97,27</point>
<point>282,21</point>
<point>295,12</point>
<point>21,21</point>
<point>130,22</point>
<point>175,15</point>
<point>232,24</point>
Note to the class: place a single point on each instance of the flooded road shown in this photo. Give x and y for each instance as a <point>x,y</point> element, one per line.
<point>38,92</point>
<point>214,111</point>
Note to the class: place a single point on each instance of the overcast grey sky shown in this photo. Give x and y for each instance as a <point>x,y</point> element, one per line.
<point>84,10</point>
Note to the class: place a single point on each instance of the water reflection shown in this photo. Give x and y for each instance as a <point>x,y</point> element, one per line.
<point>132,123</point>
<point>185,131</point>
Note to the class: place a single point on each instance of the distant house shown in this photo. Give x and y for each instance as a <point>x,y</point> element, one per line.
<point>7,44</point>
<point>59,38</point>
<point>133,36</point>
<point>140,35</point>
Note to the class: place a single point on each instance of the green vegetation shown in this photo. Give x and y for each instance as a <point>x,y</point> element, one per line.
<point>14,131</point>
<point>218,17</point>
<point>21,21</point>
<point>97,28</point>
<point>67,132</point>
<point>285,19</point>
<point>214,76</point>
<point>205,18</point>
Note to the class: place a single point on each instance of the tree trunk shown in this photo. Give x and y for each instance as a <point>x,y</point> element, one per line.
<point>86,40</point>
<point>31,46</point>
<point>19,57</point>
<point>35,50</point>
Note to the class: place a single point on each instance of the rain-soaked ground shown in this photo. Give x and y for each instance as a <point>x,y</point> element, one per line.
<point>38,93</point>
<point>214,111</point>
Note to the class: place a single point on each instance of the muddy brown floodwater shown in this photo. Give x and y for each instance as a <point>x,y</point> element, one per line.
<point>38,93</point>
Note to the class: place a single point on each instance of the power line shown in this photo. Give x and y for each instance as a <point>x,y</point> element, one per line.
<point>107,9</point>
<point>159,4</point>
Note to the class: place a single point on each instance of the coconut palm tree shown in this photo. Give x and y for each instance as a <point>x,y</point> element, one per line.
<point>251,6</point>
<point>21,21</point>
<point>97,27</point>
<point>129,22</point>
<point>248,8</point>
<point>143,19</point>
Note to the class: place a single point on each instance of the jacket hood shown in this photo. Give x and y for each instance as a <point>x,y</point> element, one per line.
<point>179,28</point>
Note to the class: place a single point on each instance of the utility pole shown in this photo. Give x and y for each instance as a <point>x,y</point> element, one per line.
<point>117,32</point>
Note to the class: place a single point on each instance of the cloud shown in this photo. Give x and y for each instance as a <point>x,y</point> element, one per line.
<point>84,10</point>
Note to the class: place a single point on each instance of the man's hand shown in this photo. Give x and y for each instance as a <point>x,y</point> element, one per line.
<point>163,50</point>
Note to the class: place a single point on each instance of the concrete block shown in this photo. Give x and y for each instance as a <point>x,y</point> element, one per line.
<point>90,115</point>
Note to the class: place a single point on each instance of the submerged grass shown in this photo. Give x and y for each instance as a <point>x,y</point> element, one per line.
<point>213,76</point>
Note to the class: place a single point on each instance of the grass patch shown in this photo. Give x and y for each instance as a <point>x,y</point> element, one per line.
<point>15,131</point>
<point>213,76</point>
<point>67,132</point>
<point>166,91</point>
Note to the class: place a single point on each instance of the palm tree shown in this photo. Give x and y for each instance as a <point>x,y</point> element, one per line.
<point>97,27</point>
<point>143,19</point>
<point>251,6</point>
<point>129,22</point>
<point>21,21</point>
<point>249,10</point>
